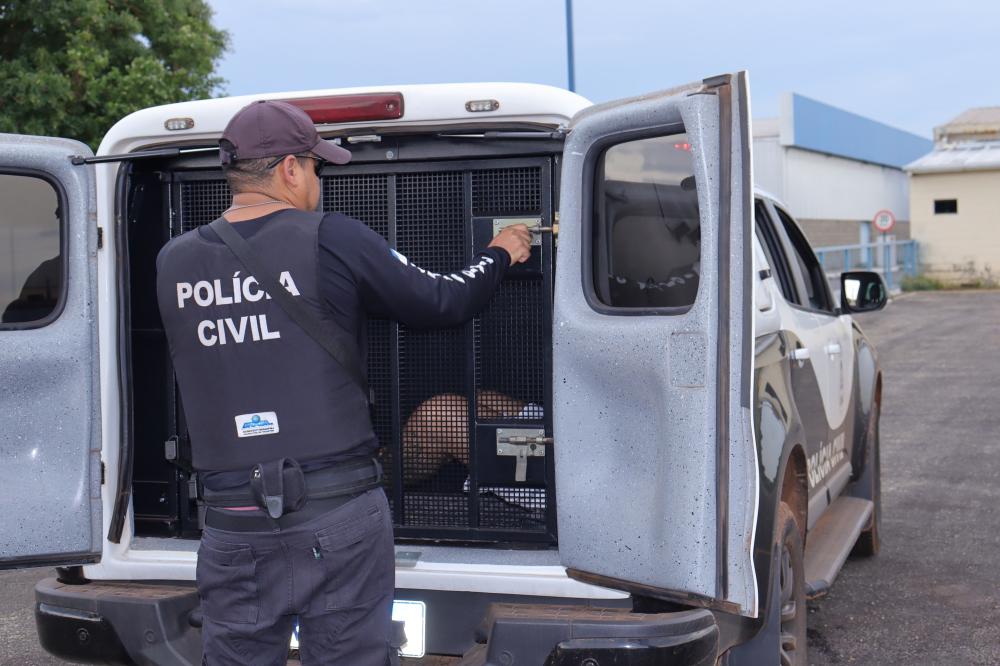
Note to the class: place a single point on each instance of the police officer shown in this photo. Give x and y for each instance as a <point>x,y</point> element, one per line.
<point>297,525</point>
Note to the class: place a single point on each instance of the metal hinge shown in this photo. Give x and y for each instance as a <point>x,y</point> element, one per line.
<point>100,237</point>
<point>522,443</point>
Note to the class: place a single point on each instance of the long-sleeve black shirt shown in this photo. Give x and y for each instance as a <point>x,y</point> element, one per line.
<point>361,276</point>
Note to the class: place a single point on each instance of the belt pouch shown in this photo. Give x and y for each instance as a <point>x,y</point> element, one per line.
<point>278,486</point>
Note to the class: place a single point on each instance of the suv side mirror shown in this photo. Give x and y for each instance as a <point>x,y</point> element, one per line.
<point>862,291</point>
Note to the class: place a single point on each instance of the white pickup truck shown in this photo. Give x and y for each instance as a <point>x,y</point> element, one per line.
<point>617,462</point>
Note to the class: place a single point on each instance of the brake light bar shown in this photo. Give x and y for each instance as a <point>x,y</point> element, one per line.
<point>351,108</point>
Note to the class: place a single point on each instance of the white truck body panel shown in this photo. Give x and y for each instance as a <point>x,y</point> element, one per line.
<point>440,105</point>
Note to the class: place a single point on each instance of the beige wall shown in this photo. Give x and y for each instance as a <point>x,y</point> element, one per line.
<point>963,246</point>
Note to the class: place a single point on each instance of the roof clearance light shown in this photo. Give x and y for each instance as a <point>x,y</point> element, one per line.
<point>351,108</point>
<point>481,105</point>
<point>174,124</point>
<point>682,146</point>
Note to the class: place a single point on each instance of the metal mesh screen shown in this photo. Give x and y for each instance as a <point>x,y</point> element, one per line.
<point>364,197</point>
<point>202,201</point>
<point>510,354</point>
<point>431,231</point>
<point>512,508</point>
<point>507,191</point>
<point>423,380</point>
<point>435,438</point>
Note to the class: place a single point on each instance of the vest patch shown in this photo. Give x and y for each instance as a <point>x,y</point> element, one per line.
<point>259,423</point>
<point>253,328</point>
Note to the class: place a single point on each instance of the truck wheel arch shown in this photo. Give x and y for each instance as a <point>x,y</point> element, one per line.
<point>795,488</point>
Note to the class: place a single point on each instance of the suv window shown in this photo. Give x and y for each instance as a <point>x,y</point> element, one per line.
<point>31,270</point>
<point>772,250</point>
<point>817,290</point>
<point>646,229</point>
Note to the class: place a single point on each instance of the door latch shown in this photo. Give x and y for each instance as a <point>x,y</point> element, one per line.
<point>522,443</point>
<point>534,225</point>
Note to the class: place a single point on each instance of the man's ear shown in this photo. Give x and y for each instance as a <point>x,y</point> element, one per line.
<point>288,167</point>
<point>290,172</point>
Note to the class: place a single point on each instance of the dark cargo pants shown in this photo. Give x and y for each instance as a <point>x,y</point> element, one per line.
<point>335,572</point>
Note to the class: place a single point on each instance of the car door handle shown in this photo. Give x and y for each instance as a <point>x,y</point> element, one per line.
<point>833,349</point>
<point>800,354</point>
<point>765,302</point>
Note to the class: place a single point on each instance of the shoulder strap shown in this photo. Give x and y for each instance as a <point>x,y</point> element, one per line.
<point>300,315</point>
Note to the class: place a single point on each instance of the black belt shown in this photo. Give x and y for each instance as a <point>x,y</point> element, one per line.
<point>259,521</point>
<point>282,487</point>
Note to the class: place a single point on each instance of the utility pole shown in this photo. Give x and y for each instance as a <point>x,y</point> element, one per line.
<point>569,45</point>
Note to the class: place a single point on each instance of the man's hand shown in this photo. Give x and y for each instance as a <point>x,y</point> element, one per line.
<point>516,239</point>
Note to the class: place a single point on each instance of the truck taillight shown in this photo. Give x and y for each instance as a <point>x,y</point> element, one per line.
<point>351,108</point>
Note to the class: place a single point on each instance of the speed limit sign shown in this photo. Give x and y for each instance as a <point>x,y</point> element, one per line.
<point>884,221</point>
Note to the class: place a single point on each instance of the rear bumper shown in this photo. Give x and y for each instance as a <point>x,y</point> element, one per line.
<point>572,635</point>
<point>130,622</point>
<point>118,622</point>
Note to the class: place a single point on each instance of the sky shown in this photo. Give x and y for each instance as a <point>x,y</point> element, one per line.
<point>909,64</point>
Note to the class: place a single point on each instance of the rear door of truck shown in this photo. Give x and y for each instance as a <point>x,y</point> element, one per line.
<point>656,467</point>
<point>50,444</point>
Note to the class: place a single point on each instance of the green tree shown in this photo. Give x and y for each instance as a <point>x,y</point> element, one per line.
<point>73,67</point>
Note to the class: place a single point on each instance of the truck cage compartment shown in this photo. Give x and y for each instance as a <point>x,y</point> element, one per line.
<point>445,400</point>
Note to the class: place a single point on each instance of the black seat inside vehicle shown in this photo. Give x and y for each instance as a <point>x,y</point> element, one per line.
<point>653,253</point>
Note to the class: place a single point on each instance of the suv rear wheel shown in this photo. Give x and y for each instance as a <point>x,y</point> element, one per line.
<point>869,542</point>
<point>793,649</point>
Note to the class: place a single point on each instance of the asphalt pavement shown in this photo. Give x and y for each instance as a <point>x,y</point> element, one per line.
<point>933,594</point>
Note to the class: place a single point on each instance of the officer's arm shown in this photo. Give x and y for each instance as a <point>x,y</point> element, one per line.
<point>390,286</point>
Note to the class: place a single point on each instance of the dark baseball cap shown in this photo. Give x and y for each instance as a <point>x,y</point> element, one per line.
<point>268,128</point>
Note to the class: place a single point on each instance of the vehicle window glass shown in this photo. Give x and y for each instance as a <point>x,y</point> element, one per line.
<point>775,256</point>
<point>817,290</point>
<point>647,234</point>
<point>31,273</point>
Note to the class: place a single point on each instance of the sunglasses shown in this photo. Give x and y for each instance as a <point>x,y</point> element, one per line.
<point>318,162</point>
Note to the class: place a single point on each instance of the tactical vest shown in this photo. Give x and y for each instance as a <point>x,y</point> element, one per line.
<point>254,385</point>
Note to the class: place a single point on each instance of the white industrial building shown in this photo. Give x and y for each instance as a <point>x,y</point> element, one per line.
<point>835,170</point>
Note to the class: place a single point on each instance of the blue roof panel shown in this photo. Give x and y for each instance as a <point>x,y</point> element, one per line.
<point>827,129</point>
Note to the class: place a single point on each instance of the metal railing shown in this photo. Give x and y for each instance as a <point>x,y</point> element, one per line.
<point>893,259</point>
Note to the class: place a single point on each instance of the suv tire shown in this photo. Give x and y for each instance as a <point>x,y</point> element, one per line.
<point>869,541</point>
<point>793,647</point>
